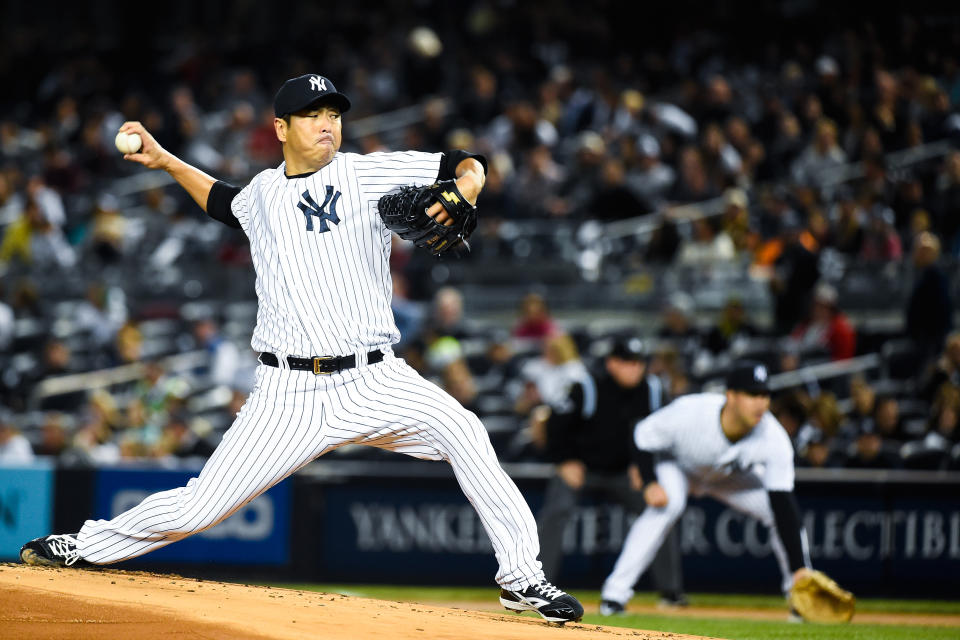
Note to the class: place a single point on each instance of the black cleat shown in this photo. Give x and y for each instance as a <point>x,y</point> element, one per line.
<point>53,551</point>
<point>551,603</point>
<point>673,600</point>
<point>610,608</point>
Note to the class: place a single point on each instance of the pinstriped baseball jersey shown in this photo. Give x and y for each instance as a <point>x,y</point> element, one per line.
<point>689,430</point>
<point>321,252</point>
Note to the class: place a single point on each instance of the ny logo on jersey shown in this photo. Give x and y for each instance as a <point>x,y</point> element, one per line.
<point>310,209</point>
<point>318,84</point>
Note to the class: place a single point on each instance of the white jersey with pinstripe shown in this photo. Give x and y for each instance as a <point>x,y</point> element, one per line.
<point>328,293</point>
<point>698,459</point>
<point>688,431</point>
<point>322,254</point>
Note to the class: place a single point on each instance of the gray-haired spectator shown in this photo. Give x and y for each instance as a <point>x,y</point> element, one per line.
<point>821,157</point>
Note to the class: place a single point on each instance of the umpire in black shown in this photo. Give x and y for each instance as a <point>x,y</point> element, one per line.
<point>591,441</point>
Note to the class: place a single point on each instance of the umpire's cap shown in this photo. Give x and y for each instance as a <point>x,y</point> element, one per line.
<point>627,348</point>
<point>303,91</point>
<point>748,376</point>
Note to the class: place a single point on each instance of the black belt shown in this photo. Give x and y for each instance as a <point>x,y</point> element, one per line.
<point>321,365</point>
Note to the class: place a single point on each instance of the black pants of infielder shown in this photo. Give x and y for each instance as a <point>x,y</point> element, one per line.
<point>558,508</point>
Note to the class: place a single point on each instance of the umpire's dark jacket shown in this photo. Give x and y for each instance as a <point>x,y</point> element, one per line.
<point>596,423</point>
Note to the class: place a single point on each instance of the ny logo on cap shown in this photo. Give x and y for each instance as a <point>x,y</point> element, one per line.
<point>318,84</point>
<point>760,373</point>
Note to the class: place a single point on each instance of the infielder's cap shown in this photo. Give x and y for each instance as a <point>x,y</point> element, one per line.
<point>303,91</point>
<point>628,349</point>
<point>748,376</point>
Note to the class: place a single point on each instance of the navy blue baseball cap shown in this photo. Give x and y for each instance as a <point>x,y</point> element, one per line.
<point>750,377</point>
<point>628,348</point>
<point>303,91</point>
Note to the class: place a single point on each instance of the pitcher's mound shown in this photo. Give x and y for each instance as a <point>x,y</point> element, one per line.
<point>45,604</point>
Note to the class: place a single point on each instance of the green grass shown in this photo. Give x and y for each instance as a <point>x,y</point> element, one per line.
<point>770,630</point>
<point>730,628</point>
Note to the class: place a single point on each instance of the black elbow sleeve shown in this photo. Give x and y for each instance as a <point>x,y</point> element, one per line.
<point>218,203</point>
<point>448,165</point>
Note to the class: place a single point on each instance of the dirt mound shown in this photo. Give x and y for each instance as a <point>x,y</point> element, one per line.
<point>61,604</point>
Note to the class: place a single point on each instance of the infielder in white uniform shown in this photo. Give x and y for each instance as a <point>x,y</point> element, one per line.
<point>728,446</point>
<point>328,375</point>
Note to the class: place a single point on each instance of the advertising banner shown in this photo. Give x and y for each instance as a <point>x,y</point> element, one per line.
<point>257,534</point>
<point>870,540</point>
<point>26,506</point>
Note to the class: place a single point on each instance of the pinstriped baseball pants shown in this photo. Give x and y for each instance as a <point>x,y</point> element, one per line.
<point>293,417</point>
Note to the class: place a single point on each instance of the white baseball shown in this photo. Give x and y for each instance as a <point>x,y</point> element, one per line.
<point>128,142</point>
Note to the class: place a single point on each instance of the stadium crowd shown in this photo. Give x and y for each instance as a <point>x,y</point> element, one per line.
<point>799,133</point>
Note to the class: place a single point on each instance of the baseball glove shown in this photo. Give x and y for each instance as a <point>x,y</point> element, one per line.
<point>817,598</point>
<point>405,213</point>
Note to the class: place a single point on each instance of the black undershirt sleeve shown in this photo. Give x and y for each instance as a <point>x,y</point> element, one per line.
<point>218,203</point>
<point>786,516</point>
<point>450,160</point>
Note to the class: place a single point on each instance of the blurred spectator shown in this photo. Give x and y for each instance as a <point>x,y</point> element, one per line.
<point>881,242</point>
<point>546,379</point>
<point>181,441</point>
<point>108,235</point>
<point>947,205</point>
<point>677,327</point>
<point>944,424</point>
<point>519,129</point>
<point>796,273</point>
<point>929,312</point>
<point>459,383</point>
<point>849,219</point>
<point>446,317</point>
<point>613,199</point>
<point>54,434</point>
<point>664,243</point>
<point>127,346</point>
<point>36,241</point>
<point>825,414</point>
<point>821,157</point>
<point>863,399</point>
<point>870,451</point>
<point>57,360</point>
<point>407,314</point>
<point>710,245</point>
<point>667,364</point>
<point>102,313</point>
<point>224,365</point>
<point>537,182</point>
<point>651,179</point>
<point>583,176</point>
<point>945,371</point>
<point>827,326</point>
<point>535,321</point>
<point>693,183</point>
<point>14,447</point>
<point>733,327</point>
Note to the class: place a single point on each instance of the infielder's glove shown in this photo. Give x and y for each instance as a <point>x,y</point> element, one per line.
<point>405,213</point>
<point>817,598</point>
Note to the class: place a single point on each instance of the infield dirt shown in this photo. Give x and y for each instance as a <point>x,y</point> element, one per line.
<point>74,604</point>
